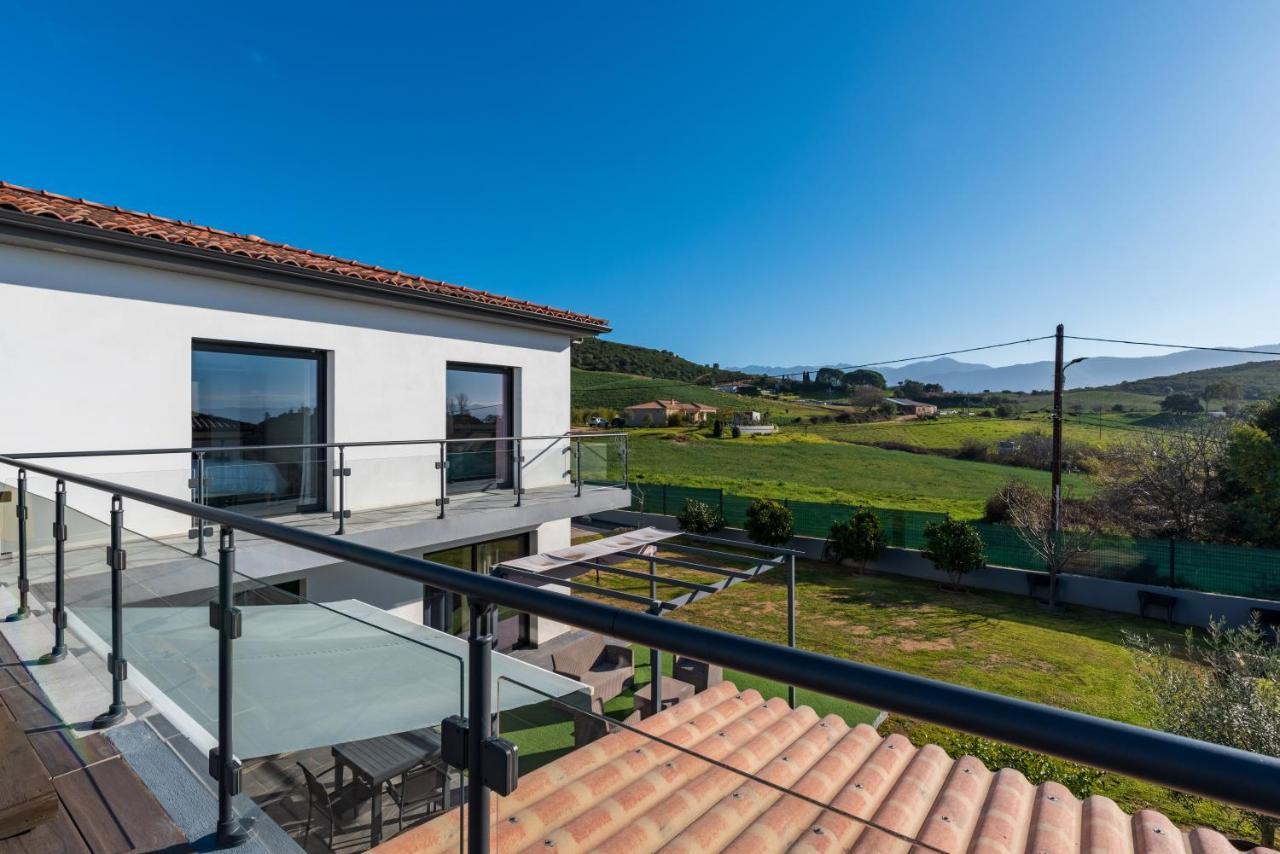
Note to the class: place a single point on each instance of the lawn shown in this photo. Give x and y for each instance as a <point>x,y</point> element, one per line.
<point>949,433</point>
<point>1004,644</point>
<point>812,467</point>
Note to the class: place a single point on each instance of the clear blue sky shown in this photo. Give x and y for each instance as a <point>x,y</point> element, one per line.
<point>738,182</point>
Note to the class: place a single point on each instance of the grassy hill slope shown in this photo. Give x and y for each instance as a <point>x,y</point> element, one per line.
<point>1257,380</point>
<point>608,390</point>
<point>595,354</point>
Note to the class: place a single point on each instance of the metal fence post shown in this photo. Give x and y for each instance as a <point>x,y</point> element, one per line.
<point>479,725</point>
<point>722,503</point>
<point>517,475</point>
<point>342,471</point>
<point>791,619</point>
<point>443,465</point>
<point>59,650</point>
<point>198,486</point>
<point>664,499</point>
<point>1173,562</point>
<point>626,460</point>
<point>577,463</point>
<point>115,659</point>
<point>23,583</point>
<point>223,765</point>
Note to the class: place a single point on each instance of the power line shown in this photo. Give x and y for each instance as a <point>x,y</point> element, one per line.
<point>1173,346</point>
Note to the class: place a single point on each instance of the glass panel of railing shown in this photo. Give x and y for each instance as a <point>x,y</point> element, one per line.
<point>602,460</point>
<point>721,768</point>
<point>267,482</point>
<point>547,467</point>
<point>480,465</point>
<point>341,699</point>
<point>388,484</point>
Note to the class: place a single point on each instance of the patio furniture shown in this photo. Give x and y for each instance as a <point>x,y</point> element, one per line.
<point>378,761</point>
<point>331,807</point>
<point>1151,599</point>
<point>673,691</point>
<point>27,796</point>
<point>699,674</point>
<point>605,665</point>
<point>434,778</point>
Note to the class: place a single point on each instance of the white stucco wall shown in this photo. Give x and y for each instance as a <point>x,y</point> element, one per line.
<point>97,354</point>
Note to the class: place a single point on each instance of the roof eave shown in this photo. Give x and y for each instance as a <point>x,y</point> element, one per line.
<point>38,231</point>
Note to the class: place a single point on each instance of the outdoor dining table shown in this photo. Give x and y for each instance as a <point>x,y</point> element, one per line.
<point>379,760</point>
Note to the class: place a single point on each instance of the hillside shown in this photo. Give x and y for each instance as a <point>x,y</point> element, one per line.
<point>596,354</point>
<point>1256,380</point>
<point>605,390</point>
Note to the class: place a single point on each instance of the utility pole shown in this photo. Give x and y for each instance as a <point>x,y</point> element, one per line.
<point>1055,499</point>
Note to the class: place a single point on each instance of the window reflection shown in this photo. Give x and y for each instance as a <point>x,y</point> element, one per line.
<point>449,612</point>
<point>247,396</point>
<point>478,406</point>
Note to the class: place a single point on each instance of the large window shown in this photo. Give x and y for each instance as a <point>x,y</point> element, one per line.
<point>479,408</point>
<point>244,396</point>
<point>448,611</point>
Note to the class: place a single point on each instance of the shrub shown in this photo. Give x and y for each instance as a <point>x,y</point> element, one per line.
<point>769,523</point>
<point>1082,780</point>
<point>698,517</point>
<point>997,509</point>
<point>737,432</point>
<point>675,419</point>
<point>973,449</point>
<point>954,547</point>
<point>859,539</point>
<point>717,428</point>
<point>1117,407</point>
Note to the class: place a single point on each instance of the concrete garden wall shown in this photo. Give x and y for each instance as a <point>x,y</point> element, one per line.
<point>1193,607</point>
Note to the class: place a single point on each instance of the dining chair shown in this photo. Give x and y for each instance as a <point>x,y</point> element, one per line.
<point>330,806</point>
<point>436,787</point>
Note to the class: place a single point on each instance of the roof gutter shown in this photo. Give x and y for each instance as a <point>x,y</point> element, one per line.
<point>41,232</point>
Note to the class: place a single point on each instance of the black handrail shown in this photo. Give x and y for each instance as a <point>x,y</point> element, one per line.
<point>126,452</point>
<point>1247,780</point>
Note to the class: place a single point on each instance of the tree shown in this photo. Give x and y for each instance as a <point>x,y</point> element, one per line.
<point>1167,483</point>
<point>863,376</point>
<point>830,377</point>
<point>911,389</point>
<point>1223,390</point>
<point>954,547</point>
<point>699,517</point>
<point>1181,403</point>
<point>860,539</point>
<point>867,395</point>
<point>769,523</point>
<point>1028,511</point>
<point>1251,486</point>
<point>1230,696</point>
<point>806,379</point>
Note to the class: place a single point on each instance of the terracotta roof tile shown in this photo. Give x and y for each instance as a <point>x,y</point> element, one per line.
<point>711,783</point>
<point>109,218</point>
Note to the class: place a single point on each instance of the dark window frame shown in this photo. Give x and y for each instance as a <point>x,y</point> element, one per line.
<point>321,358</point>
<point>509,404</point>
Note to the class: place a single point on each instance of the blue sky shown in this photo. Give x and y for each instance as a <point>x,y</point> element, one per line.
<point>774,183</point>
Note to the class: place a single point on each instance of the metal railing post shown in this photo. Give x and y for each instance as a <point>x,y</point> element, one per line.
<point>626,460</point>
<point>115,659</point>
<point>342,471</point>
<point>577,463</point>
<point>23,582</point>
<point>479,725</point>
<point>443,466</point>
<point>791,619</point>
<point>223,765</point>
<point>518,475</point>
<point>59,650</point>
<point>655,654</point>
<point>199,488</point>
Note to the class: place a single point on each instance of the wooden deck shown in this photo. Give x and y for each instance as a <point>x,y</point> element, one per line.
<point>103,805</point>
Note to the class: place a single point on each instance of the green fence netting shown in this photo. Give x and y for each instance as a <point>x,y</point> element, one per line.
<point>1208,567</point>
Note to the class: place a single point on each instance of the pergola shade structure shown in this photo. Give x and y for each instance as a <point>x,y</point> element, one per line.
<point>734,562</point>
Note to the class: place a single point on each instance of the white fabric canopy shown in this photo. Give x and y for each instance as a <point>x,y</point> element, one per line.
<point>312,675</point>
<point>594,550</point>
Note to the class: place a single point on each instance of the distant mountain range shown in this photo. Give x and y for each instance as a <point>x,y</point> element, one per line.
<point>955,375</point>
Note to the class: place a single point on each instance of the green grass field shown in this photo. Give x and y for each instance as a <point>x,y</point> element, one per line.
<point>949,432</point>
<point>813,468</point>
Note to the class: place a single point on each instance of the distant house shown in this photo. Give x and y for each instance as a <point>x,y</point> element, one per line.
<point>910,407</point>
<point>746,417</point>
<point>737,387</point>
<point>657,413</point>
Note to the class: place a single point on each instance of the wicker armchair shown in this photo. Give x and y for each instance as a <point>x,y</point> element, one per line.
<point>605,666</point>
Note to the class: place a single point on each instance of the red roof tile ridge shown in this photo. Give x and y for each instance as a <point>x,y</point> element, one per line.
<point>36,202</point>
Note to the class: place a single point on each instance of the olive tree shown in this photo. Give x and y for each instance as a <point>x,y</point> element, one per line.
<point>769,523</point>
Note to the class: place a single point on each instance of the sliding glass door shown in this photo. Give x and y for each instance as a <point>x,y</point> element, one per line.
<point>448,611</point>
<point>244,396</point>
<point>479,408</point>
